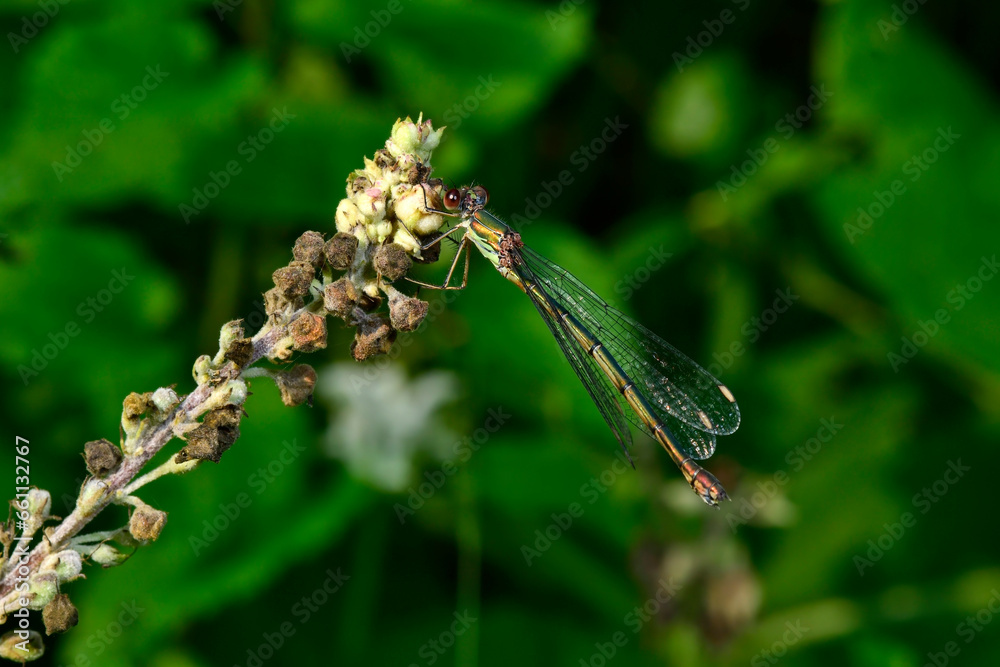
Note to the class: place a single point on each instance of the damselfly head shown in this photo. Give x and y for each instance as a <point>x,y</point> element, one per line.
<point>466,199</point>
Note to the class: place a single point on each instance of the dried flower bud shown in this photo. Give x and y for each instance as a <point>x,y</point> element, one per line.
<point>59,615</point>
<point>340,251</point>
<point>294,280</point>
<point>240,352</point>
<point>20,648</point>
<point>309,248</point>
<point>6,534</point>
<point>296,385</point>
<point>374,336</point>
<point>308,332</point>
<point>102,457</point>
<point>356,184</point>
<point>133,408</point>
<point>340,297</point>
<point>217,432</point>
<point>106,556</point>
<point>227,421</point>
<point>278,306</point>
<point>392,262</point>
<point>135,405</point>
<point>146,523</point>
<point>383,159</point>
<point>405,312</point>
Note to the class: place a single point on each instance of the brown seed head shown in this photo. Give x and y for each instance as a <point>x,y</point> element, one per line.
<point>374,336</point>
<point>240,351</point>
<point>146,523</point>
<point>294,280</point>
<point>102,457</point>
<point>405,312</point>
<point>392,262</point>
<point>340,251</point>
<point>217,432</point>
<point>309,248</point>
<point>277,305</point>
<point>297,385</point>
<point>340,298</point>
<point>59,615</point>
<point>308,332</point>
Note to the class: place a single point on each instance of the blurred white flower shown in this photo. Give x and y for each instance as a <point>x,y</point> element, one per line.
<point>382,420</point>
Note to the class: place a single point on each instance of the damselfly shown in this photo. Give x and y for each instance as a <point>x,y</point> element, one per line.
<point>631,373</point>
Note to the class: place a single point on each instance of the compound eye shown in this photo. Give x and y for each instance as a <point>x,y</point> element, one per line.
<point>482,194</point>
<point>452,199</point>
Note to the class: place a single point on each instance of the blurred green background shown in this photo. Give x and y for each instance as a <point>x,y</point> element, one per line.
<point>801,196</point>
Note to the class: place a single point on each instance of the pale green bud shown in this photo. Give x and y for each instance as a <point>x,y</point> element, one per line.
<point>106,555</point>
<point>22,646</point>
<point>66,564</point>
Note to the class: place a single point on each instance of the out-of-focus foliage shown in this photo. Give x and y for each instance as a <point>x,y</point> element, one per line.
<point>801,196</point>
